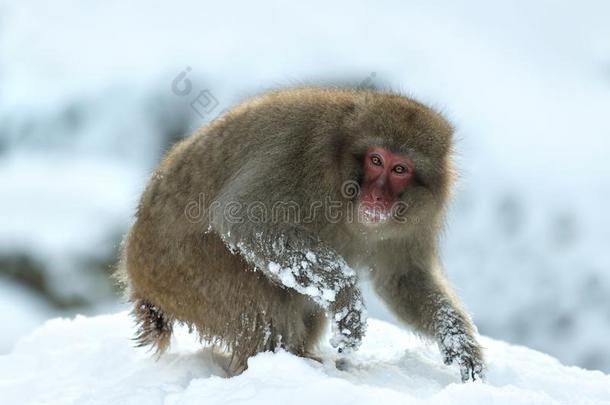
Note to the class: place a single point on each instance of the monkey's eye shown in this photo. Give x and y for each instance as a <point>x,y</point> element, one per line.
<point>376,160</point>
<point>400,169</point>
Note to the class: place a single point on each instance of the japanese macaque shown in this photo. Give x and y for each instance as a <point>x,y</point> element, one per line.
<point>255,230</point>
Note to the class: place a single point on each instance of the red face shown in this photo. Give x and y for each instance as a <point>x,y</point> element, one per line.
<point>386,175</point>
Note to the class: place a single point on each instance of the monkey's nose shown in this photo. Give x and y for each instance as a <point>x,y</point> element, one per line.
<point>376,194</point>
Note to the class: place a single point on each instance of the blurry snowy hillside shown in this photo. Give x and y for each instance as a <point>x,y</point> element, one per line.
<point>93,93</point>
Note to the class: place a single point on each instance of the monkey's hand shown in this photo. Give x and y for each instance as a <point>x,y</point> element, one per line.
<point>296,258</point>
<point>349,321</point>
<point>457,344</point>
<point>463,350</point>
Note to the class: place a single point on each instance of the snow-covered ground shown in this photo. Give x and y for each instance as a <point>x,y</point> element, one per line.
<point>92,361</point>
<point>87,108</point>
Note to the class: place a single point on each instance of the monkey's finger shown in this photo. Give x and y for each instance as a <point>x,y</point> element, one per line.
<point>478,373</point>
<point>465,374</point>
<point>466,368</point>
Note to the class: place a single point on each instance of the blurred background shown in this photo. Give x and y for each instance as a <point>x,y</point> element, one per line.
<point>93,93</point>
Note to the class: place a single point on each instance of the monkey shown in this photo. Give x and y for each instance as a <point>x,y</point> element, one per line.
<point>256,230</point>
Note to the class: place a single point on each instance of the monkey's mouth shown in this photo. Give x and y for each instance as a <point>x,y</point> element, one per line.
<point>373,214</point>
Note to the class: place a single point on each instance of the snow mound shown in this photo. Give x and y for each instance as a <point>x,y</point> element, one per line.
<point>93,361</point>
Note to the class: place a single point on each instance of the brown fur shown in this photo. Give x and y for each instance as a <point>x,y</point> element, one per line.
<point>296,145</point>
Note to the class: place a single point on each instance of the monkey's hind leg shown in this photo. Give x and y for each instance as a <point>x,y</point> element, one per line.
<point>154,327</point>
<point>298,334</point>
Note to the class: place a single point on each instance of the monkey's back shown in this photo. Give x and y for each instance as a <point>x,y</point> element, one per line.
<point>172,261</point>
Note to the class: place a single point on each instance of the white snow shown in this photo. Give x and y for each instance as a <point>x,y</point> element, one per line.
<point>92,361</point>
<point>20,309</point>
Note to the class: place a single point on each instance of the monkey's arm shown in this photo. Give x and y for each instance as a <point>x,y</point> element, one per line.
<point>294,257</point>
<point>422,298</point>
